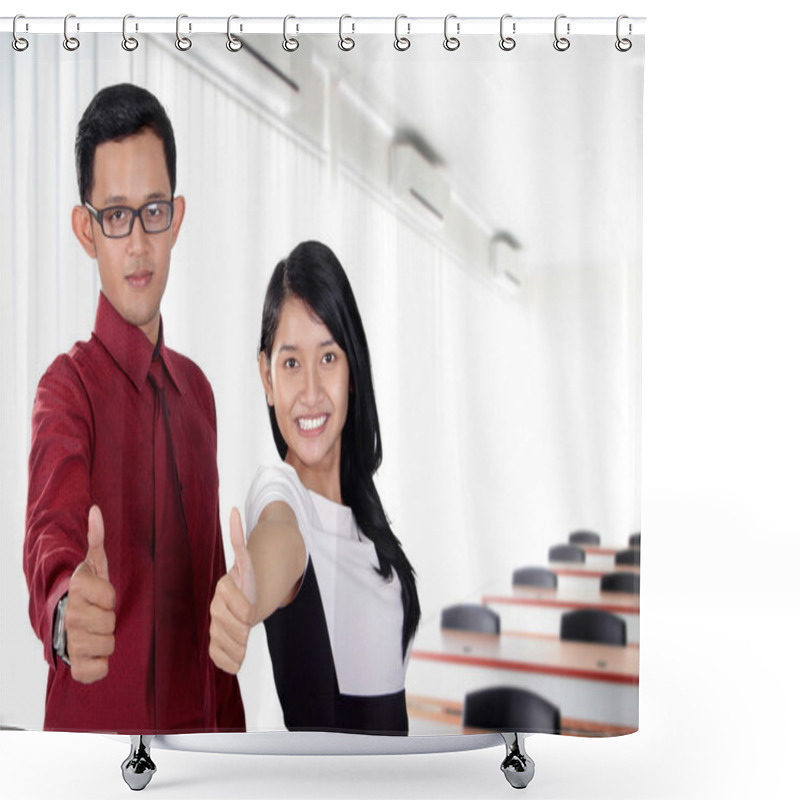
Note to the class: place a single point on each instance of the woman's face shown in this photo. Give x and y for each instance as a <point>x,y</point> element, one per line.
<point>307,381</point>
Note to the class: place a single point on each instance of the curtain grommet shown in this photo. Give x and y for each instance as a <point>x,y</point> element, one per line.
<point>70,43</point>
<point>451,43</point>
<point>561,43</point>
<point>129,43</point>
<point>401,43</point>
<point>346,43</point>
<point>19,43</point>
<point>183,43</point>
<point>507,43</point>
<point>623,44</point>
<point>233,44</point>
<point>289,43</point>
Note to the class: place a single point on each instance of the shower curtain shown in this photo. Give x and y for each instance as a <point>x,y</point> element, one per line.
<point>484,199</point>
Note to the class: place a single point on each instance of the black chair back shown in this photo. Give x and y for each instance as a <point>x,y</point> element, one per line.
<point>635,540</point>
<point>584,537</point>
<point>567,552</point>
<point>620,582</point>
<point>471,617</point>
<point>593,625</point>
<point>535,576</point>
<point>630,557</point>
<point>510,709</point>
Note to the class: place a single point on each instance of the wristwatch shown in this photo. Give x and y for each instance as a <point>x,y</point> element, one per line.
<point>60,631</point>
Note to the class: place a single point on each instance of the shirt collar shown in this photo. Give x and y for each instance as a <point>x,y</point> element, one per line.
<point>129,347</point>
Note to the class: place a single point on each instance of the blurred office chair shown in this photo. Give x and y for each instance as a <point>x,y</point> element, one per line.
<point>593,625</point>
<point>584,537</point>
<point>507,708</point>
<point>567,552</point>
<point>628,557</point>
<point>535,576</point>
<point>620,582</point>
<point>635,540</point>
<point>471,617</point>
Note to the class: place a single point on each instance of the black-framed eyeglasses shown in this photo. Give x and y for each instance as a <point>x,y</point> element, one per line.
<point>116,222</point>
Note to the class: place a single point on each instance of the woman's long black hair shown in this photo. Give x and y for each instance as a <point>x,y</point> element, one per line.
<point>313,273</point>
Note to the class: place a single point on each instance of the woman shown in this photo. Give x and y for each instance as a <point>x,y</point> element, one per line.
<point>322,567</point>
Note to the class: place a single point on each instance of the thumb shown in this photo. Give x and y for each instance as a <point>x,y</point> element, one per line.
<point>242,570</point>
<point>96,555</point>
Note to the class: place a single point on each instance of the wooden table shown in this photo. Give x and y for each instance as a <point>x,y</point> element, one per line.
<point>536,610</point>
<point>571,575</point>
<point>593,682</point>
<point>601,557</point>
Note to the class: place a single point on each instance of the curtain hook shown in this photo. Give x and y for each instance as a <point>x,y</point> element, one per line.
<point>623,45</point>
<point>183,43</point>
<point>451,42</point>
<point>561,43</point>
<point>289,44</point>
<point>129,43</point>
<point>70,42</point>
<point>507,42</point>
<point>345,42</point>
<point>401,42</point>
<point>19,43</point>
<point>233,44</point>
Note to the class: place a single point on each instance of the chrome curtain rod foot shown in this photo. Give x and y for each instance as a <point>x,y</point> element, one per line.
<point>517,766</point>
<point>138,768</point>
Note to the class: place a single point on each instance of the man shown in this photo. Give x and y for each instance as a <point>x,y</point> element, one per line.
<point>123,544</point>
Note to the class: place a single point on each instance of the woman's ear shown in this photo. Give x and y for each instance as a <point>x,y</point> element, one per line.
<point>266,378</point>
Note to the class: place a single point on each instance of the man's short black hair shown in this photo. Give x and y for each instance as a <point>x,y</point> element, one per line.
<point>115,113</point>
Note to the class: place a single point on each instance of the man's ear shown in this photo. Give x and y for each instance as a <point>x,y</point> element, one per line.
<point>266,378</point>
<point>178,210</point>
<point>82,228</point>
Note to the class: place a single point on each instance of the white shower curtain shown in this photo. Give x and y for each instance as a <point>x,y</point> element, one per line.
<point>486,206</point>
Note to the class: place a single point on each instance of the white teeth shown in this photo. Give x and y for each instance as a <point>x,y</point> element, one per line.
<point>311,424</point>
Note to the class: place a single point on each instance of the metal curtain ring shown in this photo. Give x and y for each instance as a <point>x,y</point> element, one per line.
<point>401,42</point>
<point>18,43</point>
<point>70,42</point>
<point>345,42</point>
<point>233,44</point>
<point>507,42</point>
<point>451,42</point>
<point>183,43</point>
<point>289,44</point>
<point>561,43</point>
<point>623,45</point>
<point>129,43</point>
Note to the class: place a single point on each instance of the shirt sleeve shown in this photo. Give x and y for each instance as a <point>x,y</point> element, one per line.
<point>58,494</point>
<point>279,483</point>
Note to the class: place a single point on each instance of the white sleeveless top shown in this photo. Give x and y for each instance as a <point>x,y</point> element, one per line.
<point>363,611</point>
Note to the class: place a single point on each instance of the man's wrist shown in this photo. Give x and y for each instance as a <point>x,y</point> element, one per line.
<point>60,630</point>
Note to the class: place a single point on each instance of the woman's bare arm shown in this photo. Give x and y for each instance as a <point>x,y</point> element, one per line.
<point>266,575</point>
<point>278,554</point>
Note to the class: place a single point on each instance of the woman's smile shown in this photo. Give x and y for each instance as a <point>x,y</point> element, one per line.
<point>311,426</point>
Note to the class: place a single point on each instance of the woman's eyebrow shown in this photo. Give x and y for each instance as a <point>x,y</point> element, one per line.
<point>293,348</point>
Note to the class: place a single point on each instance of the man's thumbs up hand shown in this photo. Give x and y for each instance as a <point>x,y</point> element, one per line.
<point>89,617</point>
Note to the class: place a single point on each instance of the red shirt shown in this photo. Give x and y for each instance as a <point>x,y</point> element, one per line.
<point>92,443</point>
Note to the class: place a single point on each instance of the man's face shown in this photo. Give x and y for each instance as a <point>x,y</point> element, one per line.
<point>133,269</point>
